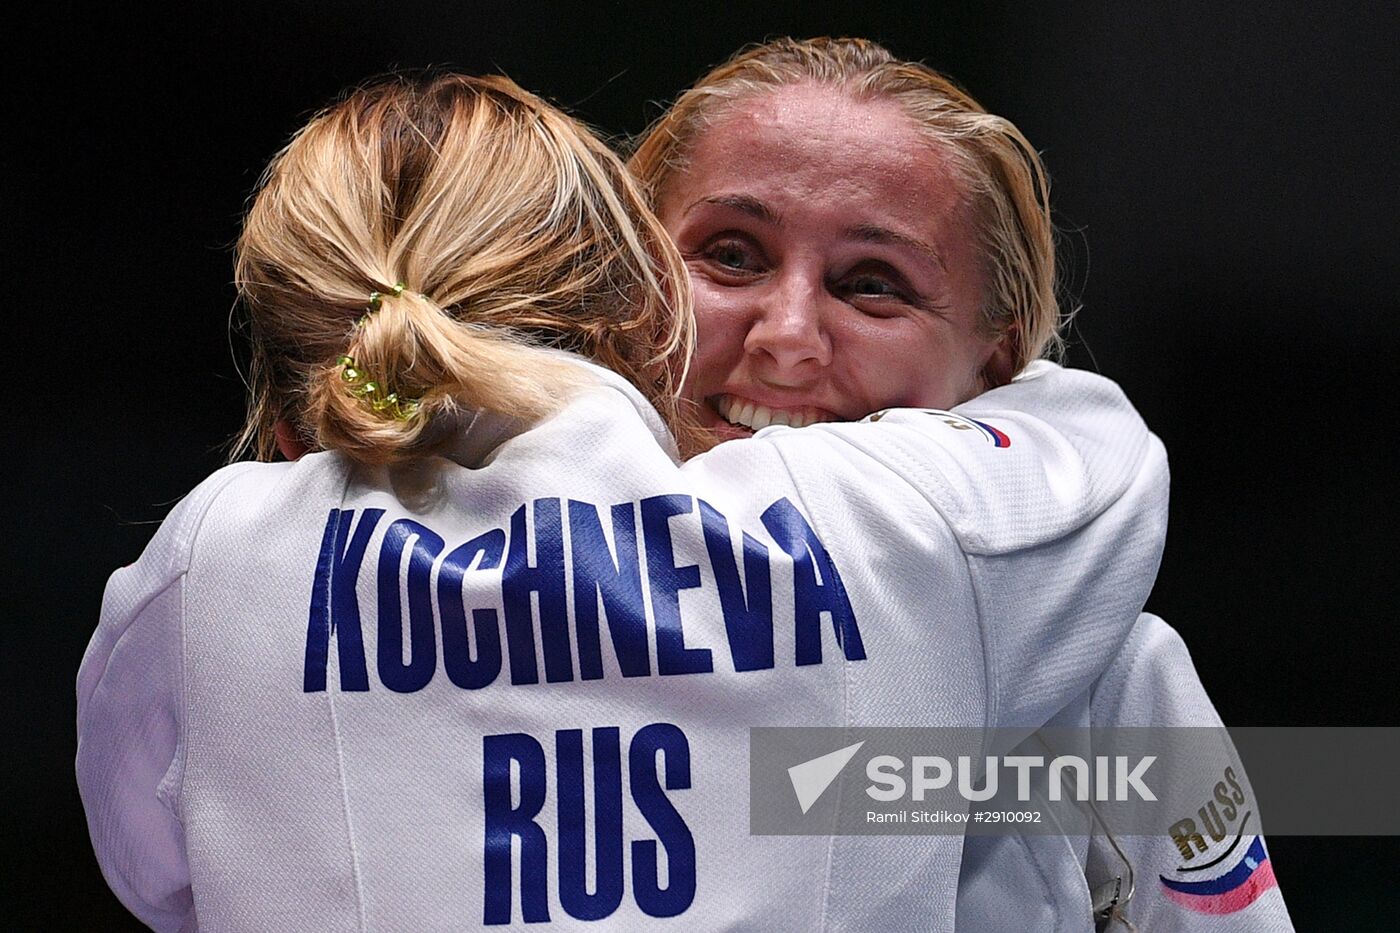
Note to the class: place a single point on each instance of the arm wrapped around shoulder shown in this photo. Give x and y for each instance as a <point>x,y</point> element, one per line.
<point>1042,503</point>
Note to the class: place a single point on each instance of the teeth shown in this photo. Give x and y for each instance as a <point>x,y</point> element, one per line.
<point>755,416</point>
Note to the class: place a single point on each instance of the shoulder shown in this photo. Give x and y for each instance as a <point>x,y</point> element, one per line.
<point>237,488</point>
<point>1152,680</point>
<point>1084,451</point>
<point>1019,466</point>
<point>1153,648</point>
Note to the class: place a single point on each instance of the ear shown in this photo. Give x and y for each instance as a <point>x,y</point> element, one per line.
<point>1001,364</point>
<point>288,442</point>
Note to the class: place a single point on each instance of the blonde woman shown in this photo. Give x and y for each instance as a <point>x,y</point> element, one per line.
<point>485,650</point>
<point>861,234</point>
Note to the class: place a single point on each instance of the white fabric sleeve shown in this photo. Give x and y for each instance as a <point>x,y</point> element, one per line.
<point>129,699</point>
<point>128,743</point>
<point>130,724</point>
<point>1154,683</point>
<point>1048,496</point>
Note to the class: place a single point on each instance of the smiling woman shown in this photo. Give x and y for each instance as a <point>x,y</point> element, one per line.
<point>860,234</point>
<point>832,254</point>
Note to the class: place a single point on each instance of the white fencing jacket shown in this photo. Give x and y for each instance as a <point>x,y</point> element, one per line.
<point>1212,875</point>
<point>514,687</point>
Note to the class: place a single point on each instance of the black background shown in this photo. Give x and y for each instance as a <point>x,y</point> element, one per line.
<point>1227,180</point>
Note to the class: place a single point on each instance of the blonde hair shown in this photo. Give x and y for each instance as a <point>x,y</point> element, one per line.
<point>1008,189</point>
<point>513,230</point>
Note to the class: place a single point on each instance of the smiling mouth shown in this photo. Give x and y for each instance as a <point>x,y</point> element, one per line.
<point>744,413</point>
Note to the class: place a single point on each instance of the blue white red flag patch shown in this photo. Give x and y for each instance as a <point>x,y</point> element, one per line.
<point>1232,891</point>
<point>992,435</point>
<point>997,438</point>
<point>958,422</point>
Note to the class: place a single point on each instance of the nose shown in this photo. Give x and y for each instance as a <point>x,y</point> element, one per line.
<point>787,329</point>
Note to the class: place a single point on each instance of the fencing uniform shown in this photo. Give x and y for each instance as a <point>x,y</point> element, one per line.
<point>514,685</point>
<point>1206,870</point>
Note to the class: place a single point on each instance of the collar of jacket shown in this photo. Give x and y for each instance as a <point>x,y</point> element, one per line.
<point>488,430</point>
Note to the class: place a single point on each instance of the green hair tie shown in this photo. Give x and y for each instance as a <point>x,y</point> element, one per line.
<point>400,409</point>
<point>376,297</point>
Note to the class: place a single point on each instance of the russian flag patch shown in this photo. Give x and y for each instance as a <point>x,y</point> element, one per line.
<point>990,434</point>
<point>958,422</point>
<point>1233,891</point>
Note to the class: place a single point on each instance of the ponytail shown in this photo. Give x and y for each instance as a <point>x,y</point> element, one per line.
<point>414,376</point>
<point>508,229</point>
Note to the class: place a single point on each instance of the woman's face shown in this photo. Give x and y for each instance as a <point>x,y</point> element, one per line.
<point>833,262</point>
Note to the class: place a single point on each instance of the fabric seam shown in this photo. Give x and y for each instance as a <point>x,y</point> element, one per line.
<point>845,702</point>
<point>340,768</point>
<point>188,541</point>
<point>989,644</point>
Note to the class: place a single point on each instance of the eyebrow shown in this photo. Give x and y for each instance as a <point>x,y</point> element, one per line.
<point>871,233</point>
<point>867,233</point>
<point>742,203</point>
